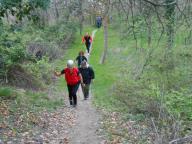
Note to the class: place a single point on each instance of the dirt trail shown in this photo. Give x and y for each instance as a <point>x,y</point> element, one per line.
<point>83,122</point>
<point>87,125</point>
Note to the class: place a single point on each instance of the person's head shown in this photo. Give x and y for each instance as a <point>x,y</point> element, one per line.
<point>70,63</point>
<point>83,64</point>
<point>87,34</point>
<point>81,53</point>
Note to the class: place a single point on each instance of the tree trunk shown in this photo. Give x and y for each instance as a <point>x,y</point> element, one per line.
<point>45,19</point>
<point>7,16</point>
<point>56,10</point>
<point>170,24</point>
<point>132,3</point>
<point>81,17</point>
<point>105,25</point>
<point>81,27</point>
<point>170,17</point>
<point>149,29</point>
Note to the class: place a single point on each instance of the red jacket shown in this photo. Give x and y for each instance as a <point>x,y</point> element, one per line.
<point>87,39</point>
<point>72,78</point>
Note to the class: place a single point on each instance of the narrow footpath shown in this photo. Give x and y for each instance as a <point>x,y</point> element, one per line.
<point>87,125</point>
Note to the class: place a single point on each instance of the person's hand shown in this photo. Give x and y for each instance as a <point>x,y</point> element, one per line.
<point>55,73</point>
<point>83,84</point>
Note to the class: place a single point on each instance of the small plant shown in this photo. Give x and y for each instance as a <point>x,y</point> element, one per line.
<point>7,93</point>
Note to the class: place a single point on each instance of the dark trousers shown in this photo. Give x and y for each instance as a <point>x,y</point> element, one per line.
<point>88,46</point>
<point>85,90</point>
<point>98,24</point>
<point>72,89</point>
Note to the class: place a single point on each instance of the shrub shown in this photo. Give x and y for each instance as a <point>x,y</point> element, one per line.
<point>132,95</point>
<point>41,70</point>
<point>52,51</point>
<point>9,57</point>
<point>7,93</point>
<point>179,103</point>
<point>19,77</point>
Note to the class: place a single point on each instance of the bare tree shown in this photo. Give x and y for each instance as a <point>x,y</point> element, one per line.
<point>81,16</point>
<point>105,25</point>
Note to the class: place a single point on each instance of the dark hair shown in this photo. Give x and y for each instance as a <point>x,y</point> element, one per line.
<point>81,53</point>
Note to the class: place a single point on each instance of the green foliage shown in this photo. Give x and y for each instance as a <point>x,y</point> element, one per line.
<point>39,3</point>
<point>20,8</point>
<point>15,55</point>
<point>7,93</point>
<point>179,103</point>
<point>156,90</point>
<point>38,101</point>
<point>10,3</point>
<point>42,70</point>
<point>20,43</point>
<point>60,31</point>
<point>152,99</point>
<point>11,56</point>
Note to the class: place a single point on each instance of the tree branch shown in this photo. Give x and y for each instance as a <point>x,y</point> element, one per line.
<point>181,140</point>
<point>162,4</point>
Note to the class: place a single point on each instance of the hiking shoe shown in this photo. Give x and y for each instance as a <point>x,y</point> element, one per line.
<point>74,106</point>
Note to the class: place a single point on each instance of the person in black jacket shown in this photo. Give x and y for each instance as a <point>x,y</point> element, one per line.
<point>80,58</point>
<point>88,75</point>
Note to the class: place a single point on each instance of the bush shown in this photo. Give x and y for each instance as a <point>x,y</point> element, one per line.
<point>7,93</point>
<point>9,57</point>
<point>52,51</point>
<point>180,104</point>
<point>171,110</point>
<point>41,70</point>
<point>19,77</point>
<point>142,97</point>
<point>133,95</point>
<point>15,54</point>
<point>18,49</point>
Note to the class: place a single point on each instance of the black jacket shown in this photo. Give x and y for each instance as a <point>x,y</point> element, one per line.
<point>87,74</point>
<point>79,59</point>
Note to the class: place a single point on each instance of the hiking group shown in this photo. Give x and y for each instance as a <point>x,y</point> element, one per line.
<point>82,75</point>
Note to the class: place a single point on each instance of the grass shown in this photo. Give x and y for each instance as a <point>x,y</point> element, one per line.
<point>136,99</point>
<point>106,74</point>
<point>6,93</point>
<point>121,60</point>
